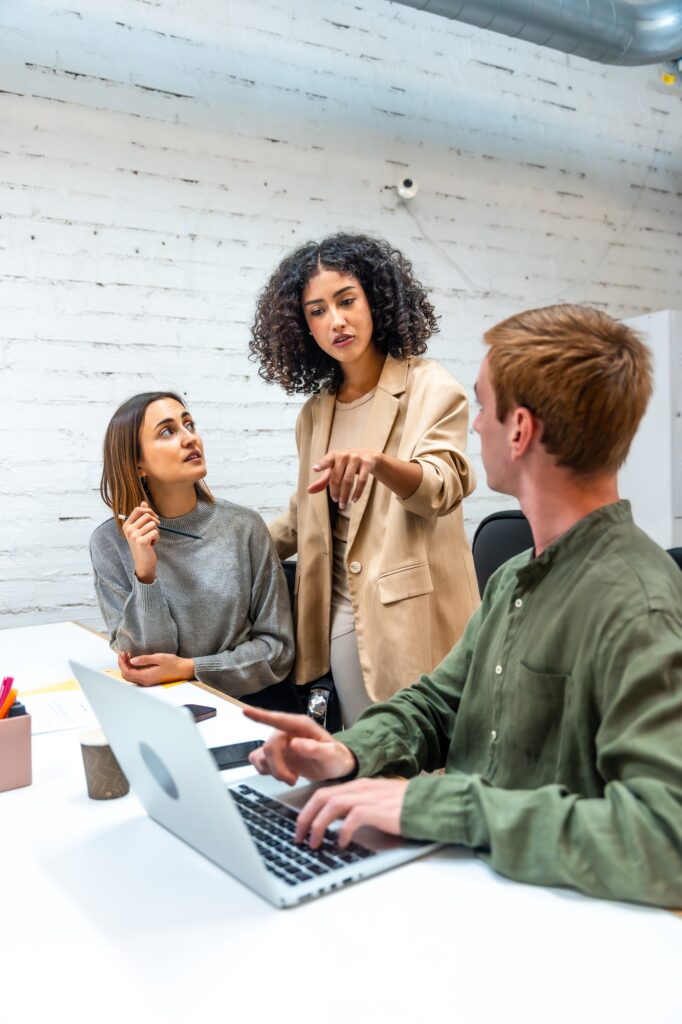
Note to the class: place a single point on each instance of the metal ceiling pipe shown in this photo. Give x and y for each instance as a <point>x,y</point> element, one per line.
<point>608,31</point>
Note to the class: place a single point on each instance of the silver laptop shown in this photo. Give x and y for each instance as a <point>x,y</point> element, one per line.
<point>246,828</point>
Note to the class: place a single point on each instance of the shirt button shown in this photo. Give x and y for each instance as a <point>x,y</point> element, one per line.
<point>493,735</point>
<point>518,602</point>
<point>355,567</point>
<point>498,670</point>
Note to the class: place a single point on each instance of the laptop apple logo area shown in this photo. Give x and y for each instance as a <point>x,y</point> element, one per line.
<point>159,771</point>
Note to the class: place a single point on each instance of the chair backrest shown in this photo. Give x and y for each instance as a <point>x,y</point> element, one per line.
<point>279,696</point>
<point>676,555</point>
<point>498,538</point>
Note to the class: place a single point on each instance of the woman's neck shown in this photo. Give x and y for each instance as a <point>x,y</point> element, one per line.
<point>361,376</point>
<point>172,500</point>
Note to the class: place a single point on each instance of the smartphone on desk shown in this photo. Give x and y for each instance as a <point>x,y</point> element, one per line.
<point>200,712</point>
<point>234,755</point>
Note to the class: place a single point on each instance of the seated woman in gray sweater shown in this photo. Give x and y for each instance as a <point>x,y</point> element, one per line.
<point>188,585</point>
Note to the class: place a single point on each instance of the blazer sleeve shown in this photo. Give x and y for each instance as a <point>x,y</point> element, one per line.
<point>440,432</point>
<point>284,529</point>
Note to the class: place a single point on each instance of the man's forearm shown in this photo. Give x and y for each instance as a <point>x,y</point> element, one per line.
<point>614,847</point>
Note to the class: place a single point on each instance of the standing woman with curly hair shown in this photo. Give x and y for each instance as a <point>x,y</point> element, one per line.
<point>385,582</point>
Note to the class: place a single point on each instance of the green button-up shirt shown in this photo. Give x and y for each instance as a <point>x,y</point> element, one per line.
<point>558,719</point>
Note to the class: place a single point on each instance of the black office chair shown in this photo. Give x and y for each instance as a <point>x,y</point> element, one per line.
<point>286,696</point>
<point>676,555</point>
<point>498,538</point>
<point>280,696</point>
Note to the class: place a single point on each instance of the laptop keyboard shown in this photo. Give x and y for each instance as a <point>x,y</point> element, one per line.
<point>272,826</point>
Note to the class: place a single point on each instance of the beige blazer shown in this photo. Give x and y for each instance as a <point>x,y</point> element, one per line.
<point>410,571</point>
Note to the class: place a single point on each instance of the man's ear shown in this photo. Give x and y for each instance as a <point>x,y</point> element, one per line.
<point>524,427</point>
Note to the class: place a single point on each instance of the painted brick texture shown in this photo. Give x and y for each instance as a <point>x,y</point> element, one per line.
<point>157,159</point>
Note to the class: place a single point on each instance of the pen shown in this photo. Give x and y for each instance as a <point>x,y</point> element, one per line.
<point>7,703</point>
<point>183,533</point>
<point>5,688</point>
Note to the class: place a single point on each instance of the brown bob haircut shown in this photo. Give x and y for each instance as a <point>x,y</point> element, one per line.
<point>121,487</point>
<point>587,377</point>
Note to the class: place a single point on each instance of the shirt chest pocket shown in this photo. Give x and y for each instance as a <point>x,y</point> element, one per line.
<point>410,581</point>
<point>537,710</point>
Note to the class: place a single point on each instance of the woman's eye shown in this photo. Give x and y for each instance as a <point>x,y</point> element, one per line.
<point>317,312</point>
<point>348,302</point>
<point>166,432</point>
<point>191,425</point>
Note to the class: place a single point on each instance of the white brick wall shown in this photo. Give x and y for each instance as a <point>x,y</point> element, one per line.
<point>157,159</point>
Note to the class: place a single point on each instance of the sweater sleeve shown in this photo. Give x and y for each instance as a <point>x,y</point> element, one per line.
<point>447,474</point>
<point>625,844</point>
<point>136,614</point>
<point>267,655</point>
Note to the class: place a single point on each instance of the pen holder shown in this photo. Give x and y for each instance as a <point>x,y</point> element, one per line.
<point>15,752</point>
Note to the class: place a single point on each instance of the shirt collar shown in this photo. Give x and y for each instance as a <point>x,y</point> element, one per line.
<point>576,541</point>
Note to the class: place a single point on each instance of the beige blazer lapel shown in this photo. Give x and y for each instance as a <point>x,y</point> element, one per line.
<point>323,415</point>
<point>385,405</point>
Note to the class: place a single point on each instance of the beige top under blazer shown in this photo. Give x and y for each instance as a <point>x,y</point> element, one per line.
<point>410,571</point>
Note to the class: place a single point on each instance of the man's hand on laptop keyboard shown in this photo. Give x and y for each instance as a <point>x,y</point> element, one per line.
<point>299,747</point>
<point>377,802</point>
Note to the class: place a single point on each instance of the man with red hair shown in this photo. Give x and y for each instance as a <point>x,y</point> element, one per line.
<point>558,715</point>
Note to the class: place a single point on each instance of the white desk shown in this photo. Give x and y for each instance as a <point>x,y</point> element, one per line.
<point>104,916</point>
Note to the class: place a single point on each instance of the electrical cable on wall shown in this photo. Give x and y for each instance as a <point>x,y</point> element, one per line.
<point>407,204</point>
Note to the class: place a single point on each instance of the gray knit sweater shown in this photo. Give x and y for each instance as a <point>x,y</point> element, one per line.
<point>221,600</point>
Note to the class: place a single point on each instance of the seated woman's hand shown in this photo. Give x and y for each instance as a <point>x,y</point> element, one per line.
<point>141,530</point>
<point>150,669</point>
<point>299,747</point>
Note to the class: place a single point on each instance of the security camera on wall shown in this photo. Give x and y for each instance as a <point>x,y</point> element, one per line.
<point>407,188</point>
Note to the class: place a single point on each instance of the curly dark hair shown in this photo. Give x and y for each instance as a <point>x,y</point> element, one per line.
<point>403,318</point>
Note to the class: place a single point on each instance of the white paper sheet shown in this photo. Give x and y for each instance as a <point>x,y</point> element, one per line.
<point>55,712</point>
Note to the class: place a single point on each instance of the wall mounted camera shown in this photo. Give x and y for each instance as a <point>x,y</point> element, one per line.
<point>407,188</point>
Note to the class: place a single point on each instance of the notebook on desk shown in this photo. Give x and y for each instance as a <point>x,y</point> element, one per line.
<point>246,828</point>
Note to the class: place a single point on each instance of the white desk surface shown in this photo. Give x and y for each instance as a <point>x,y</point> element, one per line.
<point>105,916</point>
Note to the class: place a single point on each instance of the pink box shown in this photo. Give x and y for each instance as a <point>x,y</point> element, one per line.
<point>15,752</point>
